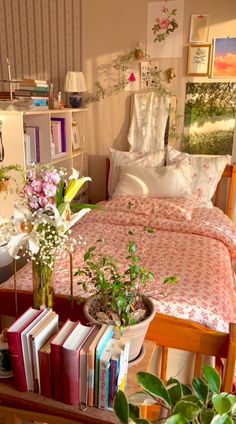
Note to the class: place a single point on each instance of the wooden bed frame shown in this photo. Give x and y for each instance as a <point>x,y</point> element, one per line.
<point>228,174</point>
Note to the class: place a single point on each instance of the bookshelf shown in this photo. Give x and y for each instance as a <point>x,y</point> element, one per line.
<point>74,151</point>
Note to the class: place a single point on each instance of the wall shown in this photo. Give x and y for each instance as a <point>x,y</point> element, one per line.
<point>41,38</point>
<point>111,28</point>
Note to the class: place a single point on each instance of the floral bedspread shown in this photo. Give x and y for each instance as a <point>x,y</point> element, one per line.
<point>174,238</point>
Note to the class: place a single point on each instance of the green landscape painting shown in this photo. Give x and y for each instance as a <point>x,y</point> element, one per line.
<point>209,119</point>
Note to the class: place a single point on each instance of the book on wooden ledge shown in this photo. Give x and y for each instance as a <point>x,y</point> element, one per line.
<point>72,364</point>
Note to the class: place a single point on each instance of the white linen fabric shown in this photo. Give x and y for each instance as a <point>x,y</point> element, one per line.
<point>206,172</point>
<point>168,181</point>
<point>119,158</point>
<point>149,118</point>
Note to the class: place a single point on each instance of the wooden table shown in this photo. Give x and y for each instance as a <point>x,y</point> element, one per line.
<point>17,406</point>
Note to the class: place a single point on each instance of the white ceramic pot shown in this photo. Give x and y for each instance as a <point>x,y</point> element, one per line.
<point>135,333</point>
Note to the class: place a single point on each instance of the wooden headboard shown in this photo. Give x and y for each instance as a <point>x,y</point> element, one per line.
<point>228,174</point>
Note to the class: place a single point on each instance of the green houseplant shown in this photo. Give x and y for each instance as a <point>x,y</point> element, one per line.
<point>5,175</point>
<point>118,294</point>
<point>202,403</point>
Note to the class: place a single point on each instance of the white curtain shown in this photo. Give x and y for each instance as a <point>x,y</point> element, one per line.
<point>148,123</point>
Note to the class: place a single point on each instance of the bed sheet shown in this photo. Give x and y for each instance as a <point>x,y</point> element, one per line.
<point>198,249</point>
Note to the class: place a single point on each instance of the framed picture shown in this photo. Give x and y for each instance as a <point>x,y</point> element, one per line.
<point>199,29</point>
<point>199,59</point>
<point>76,142</point>
<point>224,57</point>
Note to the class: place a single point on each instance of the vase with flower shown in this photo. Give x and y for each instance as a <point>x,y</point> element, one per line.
<point>41,224</point>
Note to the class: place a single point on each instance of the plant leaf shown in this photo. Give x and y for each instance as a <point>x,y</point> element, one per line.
<point>186,390</point>
<point>189,410</point>
<point>176,419</point>
<point>133,411</point>
<point>201,389</point>
<point>142,398</point>
<point>121,407</point>
<point>153,385</point>
<point>212,378</point>
<point>206,416</point>
<point>222,419</point>
<point>175,393</point>
<point>221,403</point>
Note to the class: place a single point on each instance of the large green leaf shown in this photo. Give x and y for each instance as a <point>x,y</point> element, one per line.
<point>189,410</point>
<point>212,378</point>
<point>222,419</point>
<point>186,390</point>
<point>121,407</point>
<point>133,411</point>
<point>76,207</point>
<point>201,389</point>
<point>60,193</point>
<point>221,403</point>
<point>206,416</point>
<point>176,419</point>
<point>175,393</point>
<point>192,398</point>
<point>153,385</point>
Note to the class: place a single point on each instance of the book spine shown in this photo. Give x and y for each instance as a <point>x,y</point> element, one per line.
<point>45,373</point>
<point>37,142</point>
<point>91,377</point>
<point>56,362</point>
<point>63,135</point>
<point>17,361</point>
<point>103,385</point>
<point>70,377</point>
<point>113,381</point>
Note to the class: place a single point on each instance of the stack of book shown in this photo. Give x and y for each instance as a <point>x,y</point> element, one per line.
<point>37,90</point>
<point>76,364</point>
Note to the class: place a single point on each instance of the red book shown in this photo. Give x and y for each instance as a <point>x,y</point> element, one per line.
<point>71,363</point>
<point>56,358</point>
<point>15,346</point>
<point>45,368</point>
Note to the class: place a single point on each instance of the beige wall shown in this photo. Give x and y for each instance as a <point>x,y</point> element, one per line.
<point>112,27</point>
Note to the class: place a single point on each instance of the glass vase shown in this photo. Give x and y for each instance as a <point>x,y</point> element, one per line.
<point>43,290</point>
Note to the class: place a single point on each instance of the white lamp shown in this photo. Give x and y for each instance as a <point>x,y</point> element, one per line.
<point>75,84</point>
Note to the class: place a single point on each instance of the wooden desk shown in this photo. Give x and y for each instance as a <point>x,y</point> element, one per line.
<point>17,406</point>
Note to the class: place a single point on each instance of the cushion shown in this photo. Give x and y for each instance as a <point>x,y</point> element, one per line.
<point>119,158</point>
<point>168,181</point>
<point>205,174</point>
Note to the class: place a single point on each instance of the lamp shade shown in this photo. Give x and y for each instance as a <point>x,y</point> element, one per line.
<point>75,82</point>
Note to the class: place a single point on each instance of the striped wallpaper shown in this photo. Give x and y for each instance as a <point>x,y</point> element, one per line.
<point>41,38</point>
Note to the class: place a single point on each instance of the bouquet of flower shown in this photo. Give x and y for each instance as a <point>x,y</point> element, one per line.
<point>165,26</point>
<point>41,222</point>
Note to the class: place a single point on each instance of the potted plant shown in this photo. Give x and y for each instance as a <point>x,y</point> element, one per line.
<point>5,177</point>
<point>202,403</point>
<point>118,295</point>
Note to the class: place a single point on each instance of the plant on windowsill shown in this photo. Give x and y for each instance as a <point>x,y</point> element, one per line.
<point>202,403</point>
<point>118,294</point>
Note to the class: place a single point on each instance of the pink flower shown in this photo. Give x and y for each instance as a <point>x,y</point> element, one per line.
<point>164,9</point>
<point>43,201</point>
<point>164,23</point>
<point>37,185</point>
<point>49,189</point>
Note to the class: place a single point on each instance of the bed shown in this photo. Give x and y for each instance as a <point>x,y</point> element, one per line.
<point>174,236</point>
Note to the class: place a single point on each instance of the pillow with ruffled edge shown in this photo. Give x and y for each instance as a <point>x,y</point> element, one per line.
<point>206,173</point>
<point>119,158</point>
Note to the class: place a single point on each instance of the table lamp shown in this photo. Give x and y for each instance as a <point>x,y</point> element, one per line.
<point>75,84</point>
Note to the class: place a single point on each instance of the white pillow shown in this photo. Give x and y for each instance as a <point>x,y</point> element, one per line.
<point>206,172</point>
<point>119,158</point>
<point>168,181</point>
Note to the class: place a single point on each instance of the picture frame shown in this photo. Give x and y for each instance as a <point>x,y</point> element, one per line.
<point>76,142</point>
<point>199,59</point>
<point>199,29</point>
<point>224,57</point>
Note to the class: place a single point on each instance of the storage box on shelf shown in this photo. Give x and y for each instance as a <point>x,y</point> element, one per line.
<point>61,139</point>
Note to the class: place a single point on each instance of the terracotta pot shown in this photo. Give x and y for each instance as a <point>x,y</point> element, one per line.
<point>4,185</point>
<point>136,333</point>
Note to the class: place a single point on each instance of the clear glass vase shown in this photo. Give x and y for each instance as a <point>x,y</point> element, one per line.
<point>43,279</point>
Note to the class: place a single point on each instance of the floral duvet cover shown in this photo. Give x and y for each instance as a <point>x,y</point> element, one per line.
<point>173,238</point>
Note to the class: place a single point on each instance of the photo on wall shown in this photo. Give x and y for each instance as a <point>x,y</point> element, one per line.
<point>209,118</point>
<point>224,57</point>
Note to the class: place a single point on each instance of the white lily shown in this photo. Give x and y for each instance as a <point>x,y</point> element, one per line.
<point>75,184</point>
<point>61,224</point>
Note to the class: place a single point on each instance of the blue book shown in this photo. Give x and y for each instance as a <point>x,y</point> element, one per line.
<point>108,334</point>
<point>119,350</point>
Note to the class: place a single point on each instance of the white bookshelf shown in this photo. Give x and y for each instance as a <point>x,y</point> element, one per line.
<point>13,140</point>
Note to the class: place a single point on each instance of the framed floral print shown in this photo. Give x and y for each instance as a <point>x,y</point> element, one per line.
<point>199,59</point>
